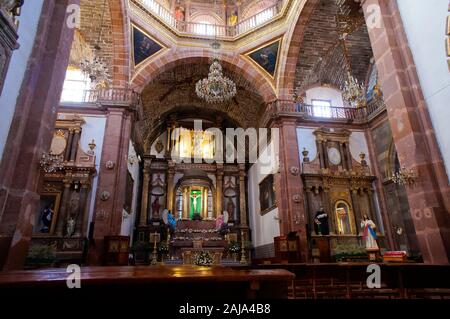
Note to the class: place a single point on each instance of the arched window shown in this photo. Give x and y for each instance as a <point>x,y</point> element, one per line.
<point>75,85</point>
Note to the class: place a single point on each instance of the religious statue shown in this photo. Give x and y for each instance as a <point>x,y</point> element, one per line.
<point>171,221</point>
<point>232,19</point>
<point>155,208</point>
<point>230,208</point>
<point>47,216</point>
<point>369,234</point>
<point>321,222</point>
<point>70,227</point>
<point>219,221</point>
<point>179,13</point>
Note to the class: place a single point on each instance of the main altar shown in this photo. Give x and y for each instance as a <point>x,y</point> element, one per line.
<point>206,200</point>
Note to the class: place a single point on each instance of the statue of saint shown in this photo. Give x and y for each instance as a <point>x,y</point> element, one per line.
<point>233,19</point>
<point>47,216</point>
<point>321,222</point>
<point>230,208</point>
<point>179,13</point>
<point>155,208</point>
<point>369,234</point>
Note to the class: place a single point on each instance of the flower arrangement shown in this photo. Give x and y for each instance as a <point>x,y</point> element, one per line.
<point>234,247</point>
<point>203,258</point>
<point>41,254</point>
<point>343,251</point>
<point>163,248</point>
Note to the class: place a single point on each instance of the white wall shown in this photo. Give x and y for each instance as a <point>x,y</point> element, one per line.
<point>266,227</point>
<point>306,139</point>
<point>93,129</point>
<point>325,93</point>
<point>29,20</point>
<point>425,25</point>
<point>129,218</point>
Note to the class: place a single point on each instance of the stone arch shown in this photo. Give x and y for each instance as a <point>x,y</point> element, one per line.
<point>121,47</point>
<point>174,58</point>
<point>287,79</point>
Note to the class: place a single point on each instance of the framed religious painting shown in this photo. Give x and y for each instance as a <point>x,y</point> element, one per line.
<point>267,195</point>
<point>48,213</point>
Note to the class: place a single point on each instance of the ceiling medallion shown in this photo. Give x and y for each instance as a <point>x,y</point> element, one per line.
<point>216,88</point>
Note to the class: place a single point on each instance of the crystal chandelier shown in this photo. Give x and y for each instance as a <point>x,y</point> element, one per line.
<point>216,88</point>
<point>93,66</point>
<point>353,92</point>
<point>51,163</point>
<point>404,176</point>
<point>96,70</point>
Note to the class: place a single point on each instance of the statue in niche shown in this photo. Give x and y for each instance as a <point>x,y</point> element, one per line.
<point>230,208</point>
<point>179,13</point>
<point>70,227</point>
<point>47,216</point>
<point>369,233</point>
<point>321,226</point>
<point>233,19</point>
<point>155,208</point>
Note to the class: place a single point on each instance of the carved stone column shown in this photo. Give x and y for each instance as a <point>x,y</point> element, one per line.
<point>31,130</point>
<point>170,176</point>
<point>144,198</point>
<point>185,203</point>
<point>320,151</point>
<point>289,185</point>
<point>412,131</point>
<point>62,214</point>
<point>8,43</point>
<point>69,145</point>
<point>349,156</point>
<point>242,196</point>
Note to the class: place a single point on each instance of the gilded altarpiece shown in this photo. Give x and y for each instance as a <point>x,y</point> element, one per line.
<point>342,186</point>
<point>61,221</point>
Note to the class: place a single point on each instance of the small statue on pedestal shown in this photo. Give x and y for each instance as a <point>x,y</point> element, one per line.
<point>321,222</point>
<point>369,234</point>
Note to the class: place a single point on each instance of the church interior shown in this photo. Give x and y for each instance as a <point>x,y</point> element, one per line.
<point>278,147</point>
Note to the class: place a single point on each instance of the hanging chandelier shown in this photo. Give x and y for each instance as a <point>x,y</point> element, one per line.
<point>96,70</point>
<point>93,66</point>
<point>353,92</point>
<point>51,163</point>
<point>216,88</point>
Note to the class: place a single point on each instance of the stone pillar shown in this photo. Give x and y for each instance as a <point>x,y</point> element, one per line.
<point>242,196</point>
<point>170,190</point>
<point>219,187</point>
<point>8,43</point>
<point>144,198</point>
<point>110,197</point>
<point>31,131</point>
<point>412,130</point>
<point>289,186</point>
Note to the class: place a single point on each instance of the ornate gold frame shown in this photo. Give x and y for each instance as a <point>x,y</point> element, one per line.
<point>351,217</point>
<point>163,49</point>
<point>261,69</point>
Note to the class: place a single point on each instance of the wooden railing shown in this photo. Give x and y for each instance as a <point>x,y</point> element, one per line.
<point>210,30</point>
<point>325,113</point>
